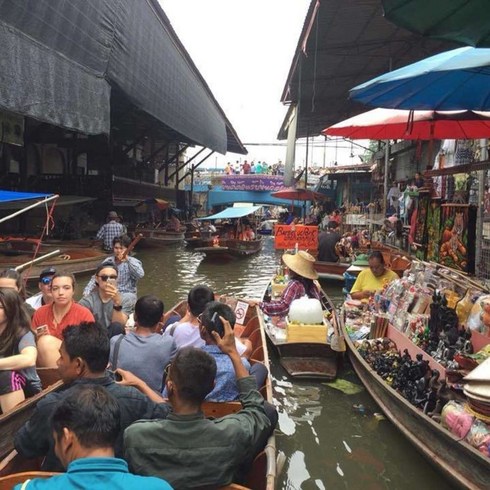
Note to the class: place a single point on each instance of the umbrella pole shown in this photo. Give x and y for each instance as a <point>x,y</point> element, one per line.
<point>385,183</point>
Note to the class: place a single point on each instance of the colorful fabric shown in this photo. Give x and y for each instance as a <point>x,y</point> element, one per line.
<point>75,315</point>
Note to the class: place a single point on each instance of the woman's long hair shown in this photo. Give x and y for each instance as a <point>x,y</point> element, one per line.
<point>309,285</point>
<point>18,321</point>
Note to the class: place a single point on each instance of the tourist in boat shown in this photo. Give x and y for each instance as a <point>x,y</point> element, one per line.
<point>248,234</point>
<point>18,352</point>
<point>129,269</point>
<point>110,307</point>
<point>301,274</point>
<point>110,230</point>
<point>44,297</point>
<point>185,331</point>
<point>373,279</point>
<point>49,321</point>
<point>86,426</point>
<point>144,342</point>
<point>327,243</point>
<point>83,358</point>
<point>204,452</point>
<point>11,279</point>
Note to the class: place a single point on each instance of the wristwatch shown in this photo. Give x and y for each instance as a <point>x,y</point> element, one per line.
<point>117,307</point>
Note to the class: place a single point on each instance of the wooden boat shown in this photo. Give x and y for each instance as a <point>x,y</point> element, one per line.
<point>195,239</point>
<point>155,237</point>
<point>311,357</point>
<point>263,473</point>
<point>333,271</point>
<point>10,423</point>
<point>76,261</point>
<point>231,248</point>
<point>18,245</point>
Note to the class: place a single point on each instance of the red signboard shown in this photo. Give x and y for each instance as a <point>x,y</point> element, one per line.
<point>287,236</point>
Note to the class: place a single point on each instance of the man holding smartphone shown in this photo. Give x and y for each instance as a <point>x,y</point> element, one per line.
<point>110,307</point>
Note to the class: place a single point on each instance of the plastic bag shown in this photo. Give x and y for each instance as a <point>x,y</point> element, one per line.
<point>479,437</point>
<point>479,318</point>
<point>455,418</point>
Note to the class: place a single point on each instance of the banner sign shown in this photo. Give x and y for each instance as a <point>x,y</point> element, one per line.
<point>252,182</point>
<point>287,236</point>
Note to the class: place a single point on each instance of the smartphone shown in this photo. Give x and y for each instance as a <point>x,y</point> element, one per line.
<point>217,324</point>
<point>112,282</point>
<point>115,375</point>
<point>42,330</point>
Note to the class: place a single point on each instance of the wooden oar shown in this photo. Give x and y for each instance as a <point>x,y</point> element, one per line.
<point>21,267</point>
<point>133,244</point>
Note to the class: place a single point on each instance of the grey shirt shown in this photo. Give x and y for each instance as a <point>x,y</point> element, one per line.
<point>144,356</point>
<point>103,311</point>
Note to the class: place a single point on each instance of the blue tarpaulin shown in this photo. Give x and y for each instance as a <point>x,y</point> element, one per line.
<point>9,196</point>
<point>230,213</point>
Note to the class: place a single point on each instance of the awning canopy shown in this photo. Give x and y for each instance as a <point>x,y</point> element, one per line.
<point>10,196</point>
<point>230,213</point>
<point>344,44</point>
<point>62,59</point>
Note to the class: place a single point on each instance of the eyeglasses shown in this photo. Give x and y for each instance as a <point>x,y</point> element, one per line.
<point>46,280</point>
<point>166,370</point>
<point>199,319</point>
<point>105,278</point>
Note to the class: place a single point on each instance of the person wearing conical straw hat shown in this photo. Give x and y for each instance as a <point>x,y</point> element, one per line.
<point>302,274</point>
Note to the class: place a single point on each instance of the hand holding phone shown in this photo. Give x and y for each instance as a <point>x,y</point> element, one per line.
<point>42,330</point>
<point>112,282</point>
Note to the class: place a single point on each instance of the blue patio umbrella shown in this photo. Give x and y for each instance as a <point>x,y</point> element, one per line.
<point>453,80</point>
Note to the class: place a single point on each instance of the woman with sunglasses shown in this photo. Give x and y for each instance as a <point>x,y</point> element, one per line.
<point>18,352</point>
<point>49,321</point>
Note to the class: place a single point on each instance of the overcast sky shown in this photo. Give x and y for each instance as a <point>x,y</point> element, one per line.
<point>244,50</point>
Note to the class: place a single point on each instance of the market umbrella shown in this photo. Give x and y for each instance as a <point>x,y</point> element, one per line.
<point>462,21</point>
<point>149,204</point>
<point>453,80</point>
<point>387,124</point>
<point>298,194</point>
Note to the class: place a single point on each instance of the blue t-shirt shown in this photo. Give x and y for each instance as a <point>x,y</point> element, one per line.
<point>95,474</point>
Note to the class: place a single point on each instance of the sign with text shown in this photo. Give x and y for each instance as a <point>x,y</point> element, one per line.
<point>287,236</point>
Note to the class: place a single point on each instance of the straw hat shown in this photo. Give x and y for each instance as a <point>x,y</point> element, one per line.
<point>301,263</point>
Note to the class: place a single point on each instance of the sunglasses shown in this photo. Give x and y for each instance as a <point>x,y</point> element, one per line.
<point>46,280</point>
<point>105,278</point>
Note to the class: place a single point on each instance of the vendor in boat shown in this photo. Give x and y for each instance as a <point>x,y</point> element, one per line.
<point>173,223</point>
<point>302,275</point>
<point>373,279</point>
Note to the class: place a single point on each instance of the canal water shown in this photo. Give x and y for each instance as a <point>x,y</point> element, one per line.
<point>328,440</point>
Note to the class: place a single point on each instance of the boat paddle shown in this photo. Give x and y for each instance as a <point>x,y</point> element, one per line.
<point>21,267</point>
<point>133,244</point>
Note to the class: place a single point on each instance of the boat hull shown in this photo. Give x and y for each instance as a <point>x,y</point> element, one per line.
<point>333,271</point>
<point>232,249</point>
<point>75,261</point>
<point>307,360</point>
<point>159,238</point>
<point>456,459</point>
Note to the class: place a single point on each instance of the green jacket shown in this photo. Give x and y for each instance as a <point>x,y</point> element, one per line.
<point>191,451</point>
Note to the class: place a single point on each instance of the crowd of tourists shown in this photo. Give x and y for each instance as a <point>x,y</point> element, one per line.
<point>134,377</point>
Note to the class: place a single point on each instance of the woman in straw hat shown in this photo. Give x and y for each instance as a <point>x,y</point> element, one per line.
<point>302,275</point>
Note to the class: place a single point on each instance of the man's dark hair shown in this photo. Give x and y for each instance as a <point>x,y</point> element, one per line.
<point>222,310</point>
<point>193,371</point>
<point>106,265</point>
<point>333,225</point>
<point>123,240</point>
<point>90,342</point>
<point>376,254</point>
<point>148,311</point>
<point>198,297</point>
<point>92,413</point>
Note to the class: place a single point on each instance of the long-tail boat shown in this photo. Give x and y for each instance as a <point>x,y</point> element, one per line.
<point>304,350</point>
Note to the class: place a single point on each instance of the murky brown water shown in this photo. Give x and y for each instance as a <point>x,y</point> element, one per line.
<point>327,443</point>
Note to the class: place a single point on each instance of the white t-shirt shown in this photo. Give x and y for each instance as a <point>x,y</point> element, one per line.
<point>35,301</point>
